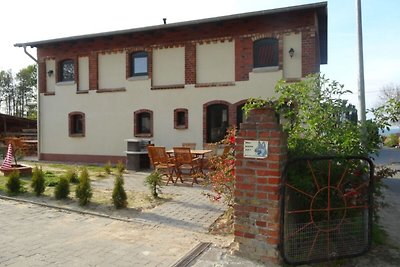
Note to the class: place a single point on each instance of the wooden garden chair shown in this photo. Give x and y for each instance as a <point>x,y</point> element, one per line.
<point>162,162</point>
<point>185,162</point>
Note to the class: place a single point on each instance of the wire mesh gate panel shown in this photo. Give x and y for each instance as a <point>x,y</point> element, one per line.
<point>327,209</point>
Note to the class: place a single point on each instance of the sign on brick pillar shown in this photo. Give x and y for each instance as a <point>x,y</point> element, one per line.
<point>257,188</point>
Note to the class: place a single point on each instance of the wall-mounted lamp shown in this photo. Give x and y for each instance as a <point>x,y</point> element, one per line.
<point>291,52</point>
<point>50,73</point>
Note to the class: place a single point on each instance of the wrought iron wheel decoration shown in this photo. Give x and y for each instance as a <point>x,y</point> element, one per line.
<point>327,208</point>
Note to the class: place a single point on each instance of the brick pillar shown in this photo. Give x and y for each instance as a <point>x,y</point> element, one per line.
<point>257,190</point>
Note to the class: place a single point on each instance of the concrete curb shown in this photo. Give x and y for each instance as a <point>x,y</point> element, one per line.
<point>68,209</point>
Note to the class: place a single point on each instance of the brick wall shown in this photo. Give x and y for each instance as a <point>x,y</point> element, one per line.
<point>258,181</point>
<point>242,31</point>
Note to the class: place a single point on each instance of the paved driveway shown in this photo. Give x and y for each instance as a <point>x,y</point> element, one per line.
<point>32,235</point>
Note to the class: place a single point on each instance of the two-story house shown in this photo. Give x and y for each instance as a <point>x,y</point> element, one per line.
<point>170,83</point>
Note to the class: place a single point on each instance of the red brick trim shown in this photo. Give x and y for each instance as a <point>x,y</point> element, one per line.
<point>190,63</point>
<point>93,71</point>
<point>42,76</point>
<point>111,90</point>
<point>216,84</point>
<point>49,93</point>
<point>164,87</point>
<point>81,158</point>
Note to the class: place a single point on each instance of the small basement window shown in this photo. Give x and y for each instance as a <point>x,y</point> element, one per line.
<point>181,119</point>
<point>76,121</point>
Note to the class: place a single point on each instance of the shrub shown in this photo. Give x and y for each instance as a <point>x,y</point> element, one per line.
<point>107,168</point>
<point>154,181</point>
<point>61,190</point>
<point>120,167</point>
<point>222,171</point>
<point>83,190</point>
<point>72,176</point>
<point>13,184</point>
<point>119,195</point>
<point>391,141</point>
<point>38,181</point>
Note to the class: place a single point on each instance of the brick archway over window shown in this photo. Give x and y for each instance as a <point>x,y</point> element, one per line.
<point>211,103</point>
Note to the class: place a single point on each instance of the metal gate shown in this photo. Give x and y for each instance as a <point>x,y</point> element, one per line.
<point>327,208</point>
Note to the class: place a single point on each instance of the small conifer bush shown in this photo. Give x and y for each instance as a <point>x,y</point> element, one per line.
<point>154,181</point>
<point>38,182</point>
<point>119,195</point>
<point>13,184</point>
<point>83,190</point>
<point>107,168</point>
<point>120,167</point>
<point>72,176</point>
<point>61,191</point>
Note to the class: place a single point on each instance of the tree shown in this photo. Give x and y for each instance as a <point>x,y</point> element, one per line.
<point>26,92</point>
<point>18,94</point>
<point>7,90</point>
<point>390,96</point>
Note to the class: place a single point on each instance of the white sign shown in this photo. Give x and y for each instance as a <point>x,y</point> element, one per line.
<point>255,149</point>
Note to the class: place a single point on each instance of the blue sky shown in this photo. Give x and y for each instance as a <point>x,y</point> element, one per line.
<point>26,20</point>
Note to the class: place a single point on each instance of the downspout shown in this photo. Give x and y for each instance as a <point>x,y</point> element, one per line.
<point>38,103</point>
<point>29,55</point>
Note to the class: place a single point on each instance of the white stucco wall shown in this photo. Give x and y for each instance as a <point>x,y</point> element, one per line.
<point>111,70</point>
<point>169,66</point>
<point>215,62</point>
<point>109,116</point>
<point>83,63</point>
<point>292,65</point>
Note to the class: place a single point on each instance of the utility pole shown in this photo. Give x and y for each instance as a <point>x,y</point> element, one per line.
<point>361,84</point>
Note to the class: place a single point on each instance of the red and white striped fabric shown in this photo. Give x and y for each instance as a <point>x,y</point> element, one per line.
<point>8,160</point>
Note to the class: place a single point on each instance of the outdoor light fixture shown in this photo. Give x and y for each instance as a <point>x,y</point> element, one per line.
<point>291,52</point>
<point>50,73</point>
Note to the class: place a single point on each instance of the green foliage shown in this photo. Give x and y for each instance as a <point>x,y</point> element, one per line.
<point>61,191</point>
<point>154,181</point>
<point>392,140</point>
<point>107,168</point>
<point>119,195</point>
<point>72,176</point>
<point>38,181</point>
<point>19,92</point>
<point>120,167</point>
<point>83,190</point>
<point>13,184</point>
<point>254,103</point>
<point>222,171</point>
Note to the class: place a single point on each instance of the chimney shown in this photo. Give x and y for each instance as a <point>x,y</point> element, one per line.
<point>165,20</point>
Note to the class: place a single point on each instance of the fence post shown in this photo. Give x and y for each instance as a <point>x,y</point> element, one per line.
<point>257,189</point>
